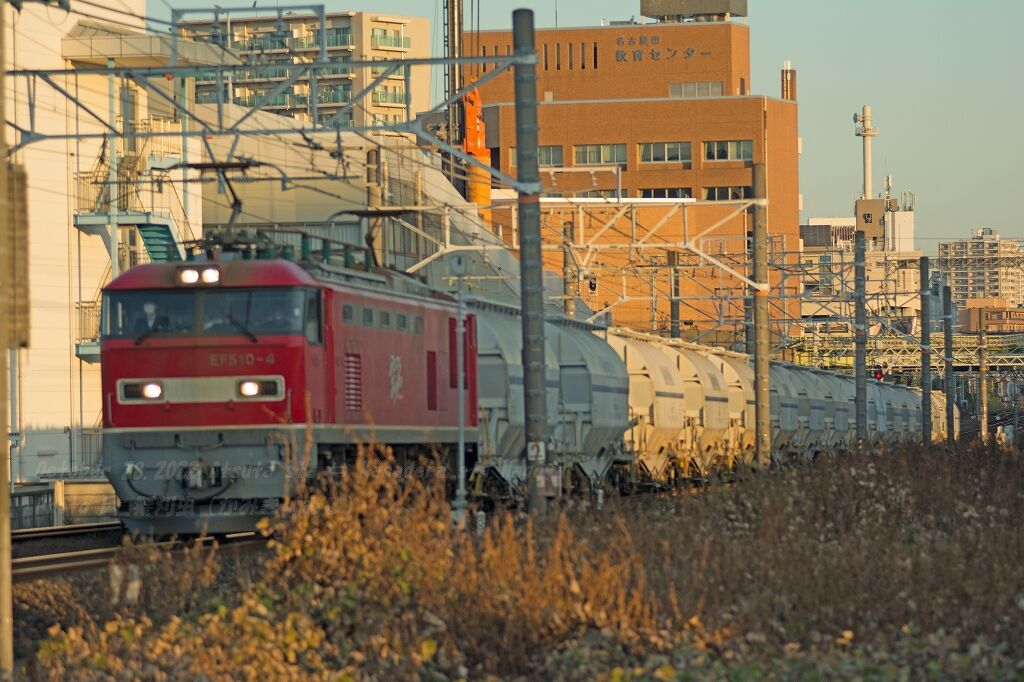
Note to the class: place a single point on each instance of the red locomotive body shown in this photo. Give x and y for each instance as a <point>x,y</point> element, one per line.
<point>210,368</point>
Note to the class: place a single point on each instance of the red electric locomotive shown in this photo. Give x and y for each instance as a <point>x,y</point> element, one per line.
<point>215,371</point>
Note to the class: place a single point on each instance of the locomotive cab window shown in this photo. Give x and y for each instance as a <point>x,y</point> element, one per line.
<point>312,327</point>
<point>254,313</point>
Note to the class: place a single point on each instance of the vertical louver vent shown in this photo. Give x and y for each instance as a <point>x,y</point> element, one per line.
<point>353,382</point>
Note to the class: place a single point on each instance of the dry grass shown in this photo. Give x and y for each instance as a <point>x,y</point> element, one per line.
<point>879,566</point>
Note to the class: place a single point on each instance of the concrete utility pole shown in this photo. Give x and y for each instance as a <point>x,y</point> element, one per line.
<point>860,338</point>
<point>374,199</point>
<point>6,296</point>
<point>947,333</point>
<point>569,278</point>
<point>459,504</point>
<point>530,263</point>
<point>982,375</point>
<point>762,325</point>
<point>926,352</point>
<point>865,131</point>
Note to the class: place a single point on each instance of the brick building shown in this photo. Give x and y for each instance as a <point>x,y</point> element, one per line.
<point>656,111</point>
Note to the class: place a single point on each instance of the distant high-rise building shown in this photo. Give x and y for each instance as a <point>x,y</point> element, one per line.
<point>350,36</point>
<point>984,266</point>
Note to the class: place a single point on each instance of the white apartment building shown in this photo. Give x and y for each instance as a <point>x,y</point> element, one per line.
<point>56,401</point>
<point>984,266</point>
<point>267,44</point>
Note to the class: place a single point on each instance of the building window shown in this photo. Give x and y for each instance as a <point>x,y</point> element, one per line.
<point>545,56</point>
<point>599,154</point>
<point>547,155</point>
<point>666,193</point>
<point>727,193</point>
<point>690,90</point>
<point>665,152</point>
<point>595,56</point>
<point>570,49</point>
<point>733,150</point>
<point>600,194</point>
<point>558,56</point>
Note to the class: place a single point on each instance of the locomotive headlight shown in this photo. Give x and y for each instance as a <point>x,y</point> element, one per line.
<point>252,388</point>
<point>152,391</point>
<point>188,276</point>
<point>249,389</point>
<point>210,276</point>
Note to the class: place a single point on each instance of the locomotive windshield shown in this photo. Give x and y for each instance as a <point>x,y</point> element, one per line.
<point>209,312</point>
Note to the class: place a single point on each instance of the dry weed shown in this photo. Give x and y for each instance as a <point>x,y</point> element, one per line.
<point>883,565</point>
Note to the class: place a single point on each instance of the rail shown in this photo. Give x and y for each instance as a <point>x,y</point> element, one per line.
<point>32,568</point>
<point>24,534</point>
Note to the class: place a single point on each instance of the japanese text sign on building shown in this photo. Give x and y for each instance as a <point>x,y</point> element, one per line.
<point>649,48</point>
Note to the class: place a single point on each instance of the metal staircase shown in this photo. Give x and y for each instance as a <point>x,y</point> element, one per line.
<point>150,212</point>
<point>158,217</point>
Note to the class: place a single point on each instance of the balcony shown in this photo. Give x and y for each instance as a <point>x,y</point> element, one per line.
<point>378,71</point>
<point>333,38</point>
<point>390,42</point>
<point>262,99</point>
<point>87,346</point>
<point>389,98</point>
<point>324,96</point>
<point>305,42</point>
<point>206,97</point>
<point>260,44</point>
<point>265,73</point>
<point>335,72</point>
<point>339,38</point>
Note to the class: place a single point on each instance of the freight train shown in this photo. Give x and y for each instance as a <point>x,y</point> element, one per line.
<point>223,378</point>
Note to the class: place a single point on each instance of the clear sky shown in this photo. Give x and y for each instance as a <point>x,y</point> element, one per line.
<point>943,79</point>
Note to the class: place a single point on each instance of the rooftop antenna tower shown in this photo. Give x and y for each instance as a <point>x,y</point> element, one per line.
<point>865,130</point>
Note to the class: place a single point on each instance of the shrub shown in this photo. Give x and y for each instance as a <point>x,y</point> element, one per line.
<point>874,565</point>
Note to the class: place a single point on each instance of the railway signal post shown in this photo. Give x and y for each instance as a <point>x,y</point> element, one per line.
<point>530,264</point>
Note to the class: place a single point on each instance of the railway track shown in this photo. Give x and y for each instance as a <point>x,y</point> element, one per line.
<point>32,568</point>
<point>996,418</point>
<point>49,532</point>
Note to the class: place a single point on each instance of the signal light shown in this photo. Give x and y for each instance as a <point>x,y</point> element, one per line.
<point>879,375</point>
